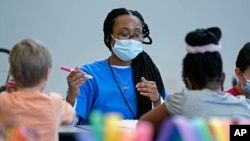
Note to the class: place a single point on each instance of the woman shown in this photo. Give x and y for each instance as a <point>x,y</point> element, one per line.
<point>127,81</point>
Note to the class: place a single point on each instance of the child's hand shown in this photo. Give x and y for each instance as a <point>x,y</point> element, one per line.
<point>11,86</point>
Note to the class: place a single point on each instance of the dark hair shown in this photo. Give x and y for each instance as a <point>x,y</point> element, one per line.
<point>110,20</point>
<point>243,58</point>
<point>142,65</point>
<point>202,68</point>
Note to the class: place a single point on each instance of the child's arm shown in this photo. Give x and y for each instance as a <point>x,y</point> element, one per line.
<point>65,112</point>
<point>68,115</point>
<point>156,116</point>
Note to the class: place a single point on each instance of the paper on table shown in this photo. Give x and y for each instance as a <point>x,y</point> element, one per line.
<point>128,123</point>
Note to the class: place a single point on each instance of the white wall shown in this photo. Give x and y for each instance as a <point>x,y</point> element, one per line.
<point>72,30</point>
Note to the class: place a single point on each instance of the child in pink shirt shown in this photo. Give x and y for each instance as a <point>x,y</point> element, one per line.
<point>29,108</point>
<point>242,72</point>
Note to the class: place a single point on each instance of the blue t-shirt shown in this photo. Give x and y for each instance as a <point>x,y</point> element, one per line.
<point>106,91</point>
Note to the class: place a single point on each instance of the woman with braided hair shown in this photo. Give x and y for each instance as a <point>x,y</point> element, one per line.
<point>128,81</point>
<point>203,77</point>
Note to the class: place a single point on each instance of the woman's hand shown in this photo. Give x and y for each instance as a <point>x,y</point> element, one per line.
<point>74,80</point>
<point>149,89</point>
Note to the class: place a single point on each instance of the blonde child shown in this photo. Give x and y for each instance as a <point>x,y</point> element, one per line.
<point>29,107</point>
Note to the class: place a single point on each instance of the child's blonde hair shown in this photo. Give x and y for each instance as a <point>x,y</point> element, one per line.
<point>29,62</point>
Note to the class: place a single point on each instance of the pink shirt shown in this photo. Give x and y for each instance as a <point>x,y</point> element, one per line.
<point>43,113</point>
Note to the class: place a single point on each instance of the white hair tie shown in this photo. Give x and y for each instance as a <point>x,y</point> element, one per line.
<point>203,48</point>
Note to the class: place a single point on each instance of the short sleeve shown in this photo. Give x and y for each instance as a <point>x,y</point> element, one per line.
<point>175,103</point>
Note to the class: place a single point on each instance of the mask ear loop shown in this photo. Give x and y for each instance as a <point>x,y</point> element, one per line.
<point>113,37</point>
<point>248,81</point>
<point>110,41</point>
<point>245,77</point>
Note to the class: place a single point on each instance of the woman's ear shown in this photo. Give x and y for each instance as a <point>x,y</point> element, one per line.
<point>107,40</point>
<point>238,73</point>
<point>188,83</point>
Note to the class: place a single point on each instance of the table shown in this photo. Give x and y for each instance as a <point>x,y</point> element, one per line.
<point>69,133</point>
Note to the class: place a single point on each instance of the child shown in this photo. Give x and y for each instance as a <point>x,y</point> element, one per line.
<point>29,107</point>
<point>242,71</point>
<point>203,76</point>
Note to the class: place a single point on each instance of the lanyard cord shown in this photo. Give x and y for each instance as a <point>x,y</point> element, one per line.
<point>123,96</point>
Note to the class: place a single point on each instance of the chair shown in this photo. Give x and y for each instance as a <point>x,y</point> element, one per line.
<point>6,51</point>
<point>234,81</point>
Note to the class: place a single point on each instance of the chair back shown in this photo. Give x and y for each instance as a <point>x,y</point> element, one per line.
<point>4,68</point>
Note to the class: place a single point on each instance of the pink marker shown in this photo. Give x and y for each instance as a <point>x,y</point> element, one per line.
<point>70,70</point>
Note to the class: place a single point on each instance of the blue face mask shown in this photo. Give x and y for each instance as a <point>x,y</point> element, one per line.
<point>127,50</point>
<point>247,86</point>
